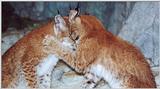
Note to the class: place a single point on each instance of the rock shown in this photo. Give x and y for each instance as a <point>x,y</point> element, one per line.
<point>141,29</point>
<point>112,15</point>
<point>11,37</point>
<point>119,15</point>
<point>70,79</point>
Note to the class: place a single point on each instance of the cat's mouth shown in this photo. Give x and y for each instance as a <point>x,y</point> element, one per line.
<point>75,41</point>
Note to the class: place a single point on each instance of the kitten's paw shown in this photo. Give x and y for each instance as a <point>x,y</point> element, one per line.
<point>88,84</point>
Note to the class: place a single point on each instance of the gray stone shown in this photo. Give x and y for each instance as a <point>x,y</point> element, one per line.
<point>119,16</point>
<point>142,29</point>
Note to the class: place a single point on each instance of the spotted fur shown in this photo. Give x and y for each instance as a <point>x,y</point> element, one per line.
<point>27,61</point>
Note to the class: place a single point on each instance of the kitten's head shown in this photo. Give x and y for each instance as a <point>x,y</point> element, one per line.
<point>71,29</point>
<point>61,30</point>
<point>75,25</point>
<point>83,25</point>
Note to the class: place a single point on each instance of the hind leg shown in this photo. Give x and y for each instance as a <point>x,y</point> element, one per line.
<point>91,81</point>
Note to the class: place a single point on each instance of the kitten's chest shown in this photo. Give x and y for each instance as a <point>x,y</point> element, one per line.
<point>46,64</point>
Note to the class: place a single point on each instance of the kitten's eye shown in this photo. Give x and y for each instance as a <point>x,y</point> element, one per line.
<point>89,82</point>
<point>73,35</point>
<point>77,38</point>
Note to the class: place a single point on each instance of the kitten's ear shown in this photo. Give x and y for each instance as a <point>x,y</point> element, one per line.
<point>60,25</point>
<point>74,14</point>
<point>74,17</point>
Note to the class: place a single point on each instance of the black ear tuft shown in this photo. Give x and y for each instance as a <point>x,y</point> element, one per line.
<point>58,12</point>
<point>70,7</point>
<point>77,8</point>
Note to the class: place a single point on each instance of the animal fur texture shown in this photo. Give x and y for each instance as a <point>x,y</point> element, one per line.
<point>27,62</point>
<point>102,55</point>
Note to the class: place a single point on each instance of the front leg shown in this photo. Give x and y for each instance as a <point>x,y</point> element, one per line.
<point>29,72</point>
<point>44,70</point>
<point>70,57</point>
<point>51,45</point>
<point>37,71</point>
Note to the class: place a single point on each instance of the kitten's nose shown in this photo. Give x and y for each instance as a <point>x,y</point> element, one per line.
<point>57,18</point>
<point>74,49</point>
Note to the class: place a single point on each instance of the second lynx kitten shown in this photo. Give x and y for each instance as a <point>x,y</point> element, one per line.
<point>101,55</point>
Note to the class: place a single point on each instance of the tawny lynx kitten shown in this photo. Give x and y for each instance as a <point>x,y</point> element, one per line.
<point>100,54</point>
<point>27,62</point>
